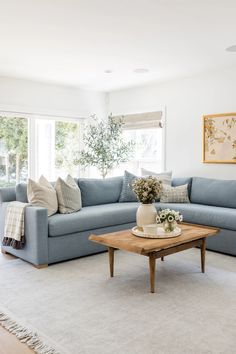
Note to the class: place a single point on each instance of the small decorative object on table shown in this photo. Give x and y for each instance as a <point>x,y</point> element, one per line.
<point>147,190</point>
<point>165,227</point>
<point>169,218</point>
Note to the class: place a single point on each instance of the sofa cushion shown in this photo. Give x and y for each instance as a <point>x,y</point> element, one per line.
<point>92,217</point>
<point>100,191</point>
<point>224,218</point>
<point>213,192</point>
<point>21,193</point>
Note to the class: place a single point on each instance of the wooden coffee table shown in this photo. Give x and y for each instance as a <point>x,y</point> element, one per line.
<point>192,236</point>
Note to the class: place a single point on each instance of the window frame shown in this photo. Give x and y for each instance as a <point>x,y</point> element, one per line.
<point>31,125</point>
<point>163,120</point>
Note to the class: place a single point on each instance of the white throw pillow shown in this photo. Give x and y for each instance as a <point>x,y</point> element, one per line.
<point>42,194</point>
<point>68,195</point>
<point>165,177</point>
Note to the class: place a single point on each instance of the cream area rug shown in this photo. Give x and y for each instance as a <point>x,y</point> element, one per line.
<point>74,307</point>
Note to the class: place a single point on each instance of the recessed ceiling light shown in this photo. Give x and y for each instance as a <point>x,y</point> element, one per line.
<point>141,70</point>
<point>108,71</point>
<point>232,48</point>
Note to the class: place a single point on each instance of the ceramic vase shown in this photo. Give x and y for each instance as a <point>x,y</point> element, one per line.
<point>146,214</point>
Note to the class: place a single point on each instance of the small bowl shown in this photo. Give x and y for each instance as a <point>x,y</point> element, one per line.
<point>150,229</point>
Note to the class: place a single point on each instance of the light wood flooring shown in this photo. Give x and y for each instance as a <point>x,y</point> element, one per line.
<point>9,344</point>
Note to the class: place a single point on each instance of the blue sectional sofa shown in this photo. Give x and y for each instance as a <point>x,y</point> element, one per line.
<point>65,236</point>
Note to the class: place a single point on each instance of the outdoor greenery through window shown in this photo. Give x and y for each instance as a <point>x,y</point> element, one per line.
<point>67,146</point>
<point>13,150</point>
<point>54,149</point>
<point>54,146</point>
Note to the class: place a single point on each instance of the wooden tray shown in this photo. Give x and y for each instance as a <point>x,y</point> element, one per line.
<point>160,233</point>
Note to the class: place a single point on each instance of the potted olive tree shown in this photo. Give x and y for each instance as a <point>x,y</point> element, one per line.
<point>105,147</point>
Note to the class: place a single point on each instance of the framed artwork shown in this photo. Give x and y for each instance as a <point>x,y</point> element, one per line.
<point>219,138</point>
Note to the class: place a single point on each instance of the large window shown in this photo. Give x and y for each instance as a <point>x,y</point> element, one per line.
<point>53,147</point>
<point>146,131</point>
<point>57,148</point>
<point>31,146</point>
<point>13,150</point>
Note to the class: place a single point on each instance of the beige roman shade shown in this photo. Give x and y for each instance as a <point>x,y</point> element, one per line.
<point>141,120</point>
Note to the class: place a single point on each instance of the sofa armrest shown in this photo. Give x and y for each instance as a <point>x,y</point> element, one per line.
<point>35,249</point>
<point>36,234</point>
<point>7,194</point>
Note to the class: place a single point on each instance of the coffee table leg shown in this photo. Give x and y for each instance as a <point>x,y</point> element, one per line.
<point>203,254</point>
<point>111,260</point>
<point>152,268</point>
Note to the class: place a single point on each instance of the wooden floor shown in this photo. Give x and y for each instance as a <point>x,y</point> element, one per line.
<point>9,344</point>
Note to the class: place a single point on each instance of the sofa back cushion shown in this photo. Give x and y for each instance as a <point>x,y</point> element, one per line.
<point>180,181</point>
<point>21,193</point>
<point>7,194</point>
<point>215,192</point>
<point>100,191</point>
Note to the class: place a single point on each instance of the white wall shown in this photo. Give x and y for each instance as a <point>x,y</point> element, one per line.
<point>35,97</point>
<point>186,100</point>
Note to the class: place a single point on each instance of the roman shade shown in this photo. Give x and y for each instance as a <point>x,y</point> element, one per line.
<point>141,120</point>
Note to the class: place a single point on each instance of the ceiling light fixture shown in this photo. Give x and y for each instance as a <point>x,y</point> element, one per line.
<point>232,48</point>
<point>141,71</point>
<point>108,71</point>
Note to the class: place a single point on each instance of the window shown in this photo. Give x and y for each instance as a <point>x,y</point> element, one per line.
<point>146,131</point>
<point>31,146</point>
<point>67,146</point>
<point>53,147</point>
<point>13,150</point>
<point>57,148</point>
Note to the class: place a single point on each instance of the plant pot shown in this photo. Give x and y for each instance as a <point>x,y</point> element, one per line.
<point>146,214</point>
<point>169,226</point>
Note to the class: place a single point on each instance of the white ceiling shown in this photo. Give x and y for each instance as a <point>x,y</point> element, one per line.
<point>72,42</point>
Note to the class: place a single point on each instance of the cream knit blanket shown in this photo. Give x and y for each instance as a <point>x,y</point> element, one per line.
<point>14,225</point>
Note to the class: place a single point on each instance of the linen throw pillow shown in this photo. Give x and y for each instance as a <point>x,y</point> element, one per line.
<point>42,194</point>
<point>127,194</point>
<point>174,194</point>
<point>165,177</point>
<point>68,195</point>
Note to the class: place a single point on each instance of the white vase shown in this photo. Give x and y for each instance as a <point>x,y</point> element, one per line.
<point>146,214</point>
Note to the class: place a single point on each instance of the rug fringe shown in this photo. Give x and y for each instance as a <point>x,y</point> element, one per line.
<point>26,336</point>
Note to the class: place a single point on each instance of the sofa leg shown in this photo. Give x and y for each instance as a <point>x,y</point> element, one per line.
<point>40,266</point>
<point>3,251</point>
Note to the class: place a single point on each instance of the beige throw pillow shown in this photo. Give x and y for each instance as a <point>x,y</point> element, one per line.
<point>42,194</point>
<point>68,195</point>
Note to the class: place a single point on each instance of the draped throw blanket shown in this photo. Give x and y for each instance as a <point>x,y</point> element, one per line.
<point>14,225</point>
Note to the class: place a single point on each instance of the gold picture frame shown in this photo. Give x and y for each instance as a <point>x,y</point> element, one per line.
<point>219,138</point>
